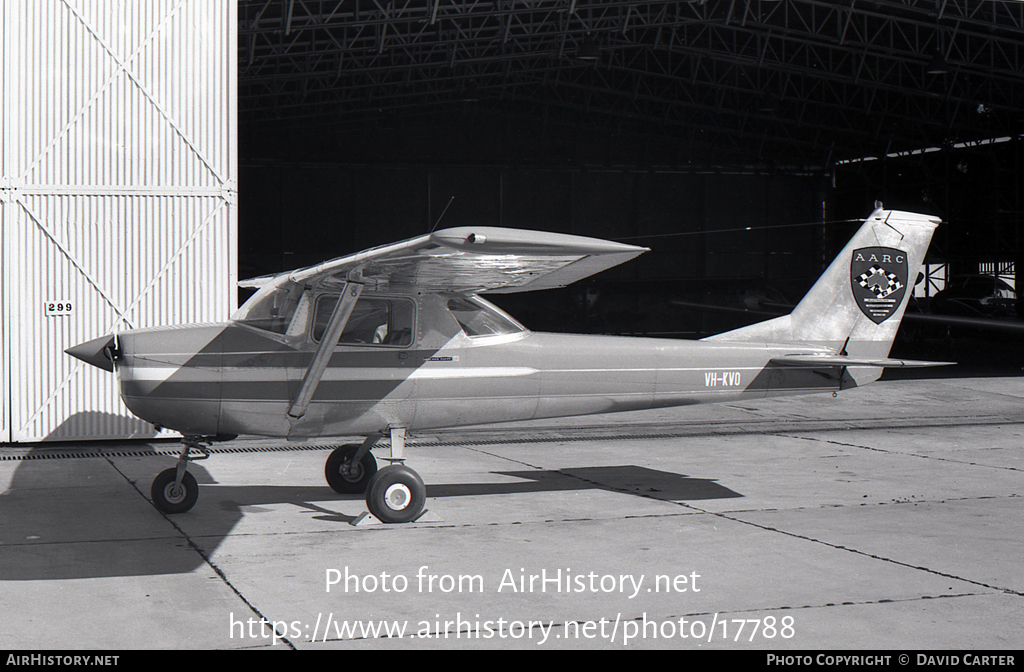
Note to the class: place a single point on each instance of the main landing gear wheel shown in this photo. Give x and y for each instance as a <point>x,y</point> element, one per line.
<point>347,478</point>
<point>174,499</point>
<point>396,494</point>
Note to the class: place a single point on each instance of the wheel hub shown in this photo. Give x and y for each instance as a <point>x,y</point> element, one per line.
<point>397,496</point>
<point>351,472</point>
<point>174,494</point>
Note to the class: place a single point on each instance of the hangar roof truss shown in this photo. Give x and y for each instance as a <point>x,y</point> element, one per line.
<point>798,82</point>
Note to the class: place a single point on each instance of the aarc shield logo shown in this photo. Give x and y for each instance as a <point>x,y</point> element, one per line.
<point>878,277</point>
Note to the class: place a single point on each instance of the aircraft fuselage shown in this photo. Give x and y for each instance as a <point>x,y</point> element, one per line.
<point>234,378</point>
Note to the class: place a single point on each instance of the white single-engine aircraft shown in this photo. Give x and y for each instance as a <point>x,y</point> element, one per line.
<point>396,339</point>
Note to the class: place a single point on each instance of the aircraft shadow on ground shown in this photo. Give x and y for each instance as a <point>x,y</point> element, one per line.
<point>90,532</point>
<point>628,479</point>
<point>623,479</point>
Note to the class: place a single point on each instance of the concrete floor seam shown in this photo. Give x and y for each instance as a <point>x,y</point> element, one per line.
<point>195,547</point>
<point>848,603</point>
<point>81,541</point>
<point>503,457</point>
<point>995,393</point>
<point>840,547</point>
<point>897,453</point>
<point>866,504</point>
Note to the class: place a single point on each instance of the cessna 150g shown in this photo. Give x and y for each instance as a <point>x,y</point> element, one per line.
<point>397,339</point>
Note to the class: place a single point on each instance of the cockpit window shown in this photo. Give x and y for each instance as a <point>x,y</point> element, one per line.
<point>373,321</point>
<point>273,309</point>
<point>479,318</point>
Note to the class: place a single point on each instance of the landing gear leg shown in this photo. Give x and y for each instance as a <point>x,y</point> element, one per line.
<point>396,493</point>
<point>175,490</point>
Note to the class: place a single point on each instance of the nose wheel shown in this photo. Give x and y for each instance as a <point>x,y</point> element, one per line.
<point>175,490</point>
<point>172,497</point>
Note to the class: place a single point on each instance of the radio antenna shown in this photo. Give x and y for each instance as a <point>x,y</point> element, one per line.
<point>442,214</point>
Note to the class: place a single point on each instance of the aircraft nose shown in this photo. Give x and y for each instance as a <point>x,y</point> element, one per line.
<point>95,352</point>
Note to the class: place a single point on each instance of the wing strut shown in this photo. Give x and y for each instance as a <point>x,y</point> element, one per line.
<point>336,325</point>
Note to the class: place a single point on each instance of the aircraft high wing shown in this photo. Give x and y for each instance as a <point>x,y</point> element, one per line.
<point>467,260</point>
<point>397,339</point>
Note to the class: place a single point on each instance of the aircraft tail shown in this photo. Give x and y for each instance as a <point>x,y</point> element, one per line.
<point>855,307</point>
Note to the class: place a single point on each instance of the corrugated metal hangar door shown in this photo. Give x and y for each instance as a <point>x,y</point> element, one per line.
<point>118,193</point>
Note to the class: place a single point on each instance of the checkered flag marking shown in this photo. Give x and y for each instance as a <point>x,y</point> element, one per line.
<point>877,273</point>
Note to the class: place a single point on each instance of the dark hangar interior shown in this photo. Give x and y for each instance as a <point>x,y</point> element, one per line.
<point>739,140</point>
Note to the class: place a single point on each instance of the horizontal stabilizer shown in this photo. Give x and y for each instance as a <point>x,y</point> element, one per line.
<point>840,360</point>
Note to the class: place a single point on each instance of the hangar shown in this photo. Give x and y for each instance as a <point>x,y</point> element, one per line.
<point>153,153</point>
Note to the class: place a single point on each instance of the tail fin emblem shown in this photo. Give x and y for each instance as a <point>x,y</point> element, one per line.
<point>879,281</point>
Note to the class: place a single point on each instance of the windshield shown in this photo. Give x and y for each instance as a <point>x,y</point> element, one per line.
<point>480,318</point>
<point>273,308</point>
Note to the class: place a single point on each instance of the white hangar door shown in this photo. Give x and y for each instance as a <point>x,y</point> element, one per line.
<point>5,404</point>
<point>118,194</point>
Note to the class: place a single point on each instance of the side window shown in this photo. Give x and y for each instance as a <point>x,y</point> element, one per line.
<point>373,321</point>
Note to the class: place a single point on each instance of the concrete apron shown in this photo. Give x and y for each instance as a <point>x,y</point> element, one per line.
<point>889,517</point>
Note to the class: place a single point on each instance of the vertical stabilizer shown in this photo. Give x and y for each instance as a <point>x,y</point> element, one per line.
<point>856,306</point>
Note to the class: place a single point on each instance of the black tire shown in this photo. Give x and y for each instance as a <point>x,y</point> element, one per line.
<point>356,482</point>
<point>166,499</point>
<point>396,494</point>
